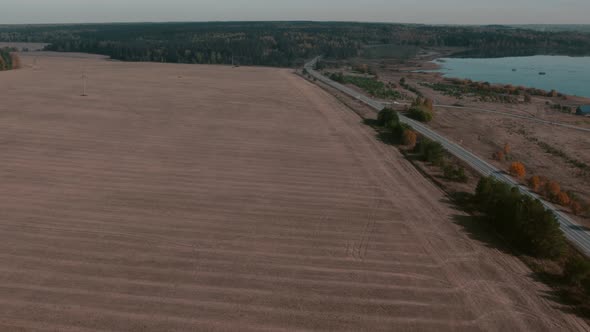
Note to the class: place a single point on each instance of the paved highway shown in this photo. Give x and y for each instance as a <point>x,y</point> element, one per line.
<point>574,232</point>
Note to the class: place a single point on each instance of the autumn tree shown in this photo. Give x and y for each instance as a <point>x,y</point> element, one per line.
<point>410,138</point>
<point>507,149</point>
<point>552,189</point>
<point>535,183</point>
<point>429,104</point>
<point>576,207</point>
<point>563,199</point>
<point>517,169</point>
<point>499,155</point>
<point>15,59</point>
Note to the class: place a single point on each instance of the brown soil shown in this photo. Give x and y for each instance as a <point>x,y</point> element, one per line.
<point>179,197</point>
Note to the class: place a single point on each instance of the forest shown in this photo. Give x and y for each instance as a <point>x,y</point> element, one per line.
<point>283,44</point>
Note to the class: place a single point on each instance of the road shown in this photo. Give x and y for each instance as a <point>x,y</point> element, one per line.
<point>574,232</point>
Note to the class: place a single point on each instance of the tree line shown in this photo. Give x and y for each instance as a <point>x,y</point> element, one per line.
<point>279,43</point>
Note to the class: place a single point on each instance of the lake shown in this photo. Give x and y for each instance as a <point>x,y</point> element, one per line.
<point>569,75</point>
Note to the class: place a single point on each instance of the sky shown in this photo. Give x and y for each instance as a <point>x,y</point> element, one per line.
<point>403,11</point>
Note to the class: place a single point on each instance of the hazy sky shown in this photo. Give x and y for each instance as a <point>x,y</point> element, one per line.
<point>418,11</point>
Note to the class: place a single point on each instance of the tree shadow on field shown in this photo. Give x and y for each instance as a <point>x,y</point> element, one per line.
<point>558,293</point>
<point>562,296</point>
<point>474,225</point>
<point>383,135</point>
<point>479,230</point>
<point>371,123</point>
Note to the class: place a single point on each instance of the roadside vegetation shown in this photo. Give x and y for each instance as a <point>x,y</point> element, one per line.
<point>533,233</point>
<point>553,192</point>
<point>409,87</point>
<point>422,109</point>
<point>549,189</point>
<point>486,92</point>
<point>419,147</point>
<point>9,59</point>
<point>371,85</point>
<point>559,153</point>
<point>521,220</point>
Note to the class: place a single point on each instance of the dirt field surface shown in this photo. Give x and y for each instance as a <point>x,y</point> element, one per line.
<point>190,198</point>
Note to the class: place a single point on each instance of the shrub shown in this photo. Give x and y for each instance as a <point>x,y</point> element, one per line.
<point>535,183</point>
<point>563,199</point>
<point>387,117</point>
<point>499,155</point>
<point>398,130</point>
<point>337,77</point>
<point>410,138</point>
<point>455,173</point>
<point>430,151</point>
<point>552,189</point>
<point>420,113</point>
<point>429,104</point>
<point>16,63</point>
<point>576,207</point>
<point>518,170</point>
<point>507,149</point>
<point>373,86</point>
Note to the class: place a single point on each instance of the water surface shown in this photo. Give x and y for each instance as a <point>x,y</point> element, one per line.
<point>569,75</point>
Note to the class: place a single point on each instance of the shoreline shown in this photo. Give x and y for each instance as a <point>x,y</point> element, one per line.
<point>432,67</point>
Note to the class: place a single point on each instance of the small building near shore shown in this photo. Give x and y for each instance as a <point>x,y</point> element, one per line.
<point>583,110</point>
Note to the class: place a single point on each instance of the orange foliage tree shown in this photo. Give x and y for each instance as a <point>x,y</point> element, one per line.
<point>499,155</point>
<point>576,207</point>
<point>429,104</point>
<point>410,138</point>
<point>563,199</point>
<point>517,169</point>
<point>507,149</point>
<point>552,189</point>
<point>535,183</point>
<point>15,59</point>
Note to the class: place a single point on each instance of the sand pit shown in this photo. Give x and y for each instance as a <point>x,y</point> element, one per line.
<point>186,198</point>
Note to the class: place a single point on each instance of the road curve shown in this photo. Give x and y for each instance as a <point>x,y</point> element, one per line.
<point>575,233</point>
